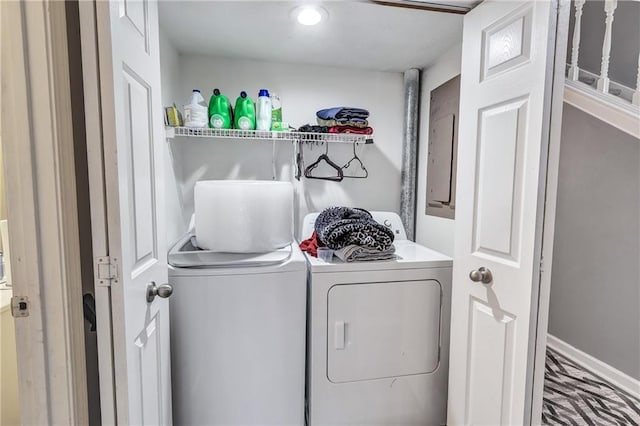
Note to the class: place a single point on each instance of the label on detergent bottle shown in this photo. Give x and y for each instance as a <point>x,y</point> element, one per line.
<point>192,114</point>
<point>244,123</point>
<point>276,108</point>
<point>217,121</point>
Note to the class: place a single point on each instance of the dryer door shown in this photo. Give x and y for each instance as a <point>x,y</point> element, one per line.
<point>379,330</point>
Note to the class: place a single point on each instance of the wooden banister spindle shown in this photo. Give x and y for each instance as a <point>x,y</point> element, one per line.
<point>636,94</point>
<point>603,81</point>
<point>574,71</point>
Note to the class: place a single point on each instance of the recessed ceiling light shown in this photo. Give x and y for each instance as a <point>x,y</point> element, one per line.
<point>310,15</point>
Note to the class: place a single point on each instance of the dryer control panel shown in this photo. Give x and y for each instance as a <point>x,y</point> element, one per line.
<point>392,221</point>
<point>389,219</point>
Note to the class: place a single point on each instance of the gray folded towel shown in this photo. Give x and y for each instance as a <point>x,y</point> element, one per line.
<point>353,253</point>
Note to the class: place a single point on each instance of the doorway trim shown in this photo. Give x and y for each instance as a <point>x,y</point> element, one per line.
<point>37,137</point>
<point>39,155</point>
<point>550,188</point>
<point>95,58</point>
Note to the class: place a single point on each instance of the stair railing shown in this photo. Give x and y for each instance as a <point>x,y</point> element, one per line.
<point>603,84</point>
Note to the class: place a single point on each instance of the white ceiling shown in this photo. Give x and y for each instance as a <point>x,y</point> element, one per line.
<point>356,34</point>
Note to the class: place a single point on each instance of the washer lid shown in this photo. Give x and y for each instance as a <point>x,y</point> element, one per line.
<point>184,254</point>
<point>409,256</point>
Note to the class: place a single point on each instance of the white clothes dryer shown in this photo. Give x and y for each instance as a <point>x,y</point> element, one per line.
<point>378,336</point>
<point>237,336</point>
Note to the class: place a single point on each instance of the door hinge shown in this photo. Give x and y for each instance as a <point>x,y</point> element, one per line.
<point>107,271</point>
<point>20,306</point>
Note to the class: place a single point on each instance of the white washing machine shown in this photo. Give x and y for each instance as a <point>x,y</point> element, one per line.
<point>237,336</point>
<point>378,336</point>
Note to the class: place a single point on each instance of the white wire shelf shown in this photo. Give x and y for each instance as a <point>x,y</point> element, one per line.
<point>173,132</point>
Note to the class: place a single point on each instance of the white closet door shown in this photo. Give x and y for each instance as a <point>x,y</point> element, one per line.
<point>508,55</point>
<point>133,132</point>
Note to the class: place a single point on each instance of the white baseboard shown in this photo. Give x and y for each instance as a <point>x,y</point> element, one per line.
<point>604,370</point>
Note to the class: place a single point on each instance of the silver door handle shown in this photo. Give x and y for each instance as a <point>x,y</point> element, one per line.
<point>163,290</point>
<point>482,275</point>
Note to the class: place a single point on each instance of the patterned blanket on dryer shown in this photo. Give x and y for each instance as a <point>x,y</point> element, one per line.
<point>338,227</point>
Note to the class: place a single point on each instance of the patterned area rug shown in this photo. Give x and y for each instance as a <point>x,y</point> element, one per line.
<point>574,396</point>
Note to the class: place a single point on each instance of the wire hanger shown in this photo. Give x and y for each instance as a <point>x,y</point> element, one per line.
<point>324,157</point>
<point>362,167</point>
<point>299,158</point>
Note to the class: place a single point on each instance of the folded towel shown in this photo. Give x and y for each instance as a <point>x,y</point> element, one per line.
<point>355,122</point>
<point>338,227</point>
<point>308,128</point>
<point>352,253</point>
<point>351,129</point>
<point>337,113</point>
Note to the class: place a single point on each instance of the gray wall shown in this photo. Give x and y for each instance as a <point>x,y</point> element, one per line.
<point>625,36</point>
<point>595,289</point>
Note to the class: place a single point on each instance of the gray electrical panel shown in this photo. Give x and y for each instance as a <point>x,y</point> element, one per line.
<point>443,149</point>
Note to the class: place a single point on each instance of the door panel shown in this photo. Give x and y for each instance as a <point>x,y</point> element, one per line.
<point>149,347</point>
<point>134,17</point>
<point>508,54</point>
<point>499,179</point>
<point>138,117</point>
<point>135,11</point>
<point>490,362</point>
<point>507,42</point>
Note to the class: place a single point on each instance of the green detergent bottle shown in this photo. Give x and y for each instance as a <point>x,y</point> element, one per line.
<point>220,112</point>
<point>245,113</point>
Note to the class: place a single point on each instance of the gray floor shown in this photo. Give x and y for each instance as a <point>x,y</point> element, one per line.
<point>575,396</point>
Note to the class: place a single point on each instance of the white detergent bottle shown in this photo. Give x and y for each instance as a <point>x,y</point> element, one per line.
<point>195,112</point>
<point>263,110</point>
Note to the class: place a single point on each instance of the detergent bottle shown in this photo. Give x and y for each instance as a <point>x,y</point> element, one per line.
<point>263,110</point>
<point>195,112</point>
<point>220,112</point>
<point>276,109</point>
<point>245,113</point>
